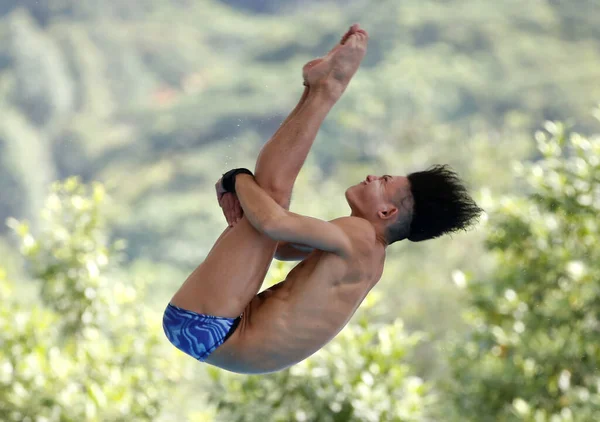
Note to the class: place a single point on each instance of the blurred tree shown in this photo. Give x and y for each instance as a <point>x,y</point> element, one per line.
<point>36,96</point>
<point>47,11</point>
<point>90,350</point>
<point>43,85</point>
<point>126,85</point>
<point>268,6</point>
<point>535,345</point>
<point>155,98</point>
<point>361,376</point>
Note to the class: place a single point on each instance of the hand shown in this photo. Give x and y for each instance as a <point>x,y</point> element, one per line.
<point>230,204</point>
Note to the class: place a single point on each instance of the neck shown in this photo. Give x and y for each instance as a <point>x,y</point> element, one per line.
<point>380,237</point>
<point>379,232</point>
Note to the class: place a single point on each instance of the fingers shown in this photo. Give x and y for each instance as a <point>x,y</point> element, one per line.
<point>226,208</point>
<point>225,203</point>
<point>236,209</point>
<point>232,209</point>
<point>239,212</point>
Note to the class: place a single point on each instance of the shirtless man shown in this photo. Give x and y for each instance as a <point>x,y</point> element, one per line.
<point>217,316</point>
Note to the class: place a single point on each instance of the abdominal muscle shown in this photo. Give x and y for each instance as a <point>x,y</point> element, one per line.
<point>307,310</point>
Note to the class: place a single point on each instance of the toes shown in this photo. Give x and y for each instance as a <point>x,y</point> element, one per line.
<point>356,31</point>
<point>359,38</point>
<point>355,38</point>
<point>350,31</point>
<point>345,38</point>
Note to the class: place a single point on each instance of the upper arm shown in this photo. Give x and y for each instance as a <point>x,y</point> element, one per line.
<point>292,251</point>
<point>309,231</point>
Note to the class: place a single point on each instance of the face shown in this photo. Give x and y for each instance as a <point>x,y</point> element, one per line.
<point>374,197</point>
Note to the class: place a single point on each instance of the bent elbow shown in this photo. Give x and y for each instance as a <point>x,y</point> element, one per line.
<point>274,226</point>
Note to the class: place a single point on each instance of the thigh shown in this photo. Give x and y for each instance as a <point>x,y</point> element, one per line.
<point>231,275</point>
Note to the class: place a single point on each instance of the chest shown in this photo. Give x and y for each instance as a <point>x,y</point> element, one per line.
<point>323,269</point>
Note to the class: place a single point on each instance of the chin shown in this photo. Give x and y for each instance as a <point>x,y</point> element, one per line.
<point>348,193</point>
<point>349,196</point>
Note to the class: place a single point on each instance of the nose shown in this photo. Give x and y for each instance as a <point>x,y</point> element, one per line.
<point>370,178</point>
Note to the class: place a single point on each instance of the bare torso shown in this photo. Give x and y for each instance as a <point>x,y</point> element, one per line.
<point>295,318</point>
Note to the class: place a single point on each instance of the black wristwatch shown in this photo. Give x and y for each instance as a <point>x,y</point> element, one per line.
<point>228,180</point>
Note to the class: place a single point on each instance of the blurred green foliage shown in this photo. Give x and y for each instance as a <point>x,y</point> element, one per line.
<point>89,349</point>
<point>155,99</point>
<point>533,352</point>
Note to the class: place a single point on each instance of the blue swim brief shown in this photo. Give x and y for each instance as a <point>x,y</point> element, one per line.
<point>196,334</point>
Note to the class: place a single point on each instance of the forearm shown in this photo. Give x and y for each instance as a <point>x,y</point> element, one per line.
<point>259,208</point>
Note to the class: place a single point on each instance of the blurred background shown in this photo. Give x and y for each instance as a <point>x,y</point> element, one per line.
<point>117,118</point>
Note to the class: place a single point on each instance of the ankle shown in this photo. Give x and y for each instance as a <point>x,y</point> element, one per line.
<point>326,92</point>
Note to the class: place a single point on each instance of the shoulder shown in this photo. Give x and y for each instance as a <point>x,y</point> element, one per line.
<point>357,229</point>
<point>354,222</point>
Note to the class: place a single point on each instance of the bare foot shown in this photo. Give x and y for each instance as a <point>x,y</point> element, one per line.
<point>308,66</point>
<point>334,71</point>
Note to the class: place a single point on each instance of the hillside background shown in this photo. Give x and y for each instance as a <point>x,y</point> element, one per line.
<point>154,99</point>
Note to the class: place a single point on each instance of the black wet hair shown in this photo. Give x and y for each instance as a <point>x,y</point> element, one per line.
<point>441,204</point>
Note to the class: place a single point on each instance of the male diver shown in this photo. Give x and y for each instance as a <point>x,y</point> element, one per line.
<point>217,316</point>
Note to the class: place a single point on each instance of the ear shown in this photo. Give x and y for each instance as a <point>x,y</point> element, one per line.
<point>388,212</point>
